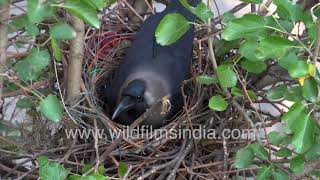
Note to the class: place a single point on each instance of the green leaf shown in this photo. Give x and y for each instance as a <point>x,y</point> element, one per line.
<point>24,103</point>
<point>297,164</point>
<point>288,10</point>
<point>203,12</point>
<point>298,69</point>
<point>252,1</point>
<point>172,27</point>
<point>236,92</point>
<point>310,90</point>
<point>62,31</point>
<point>303,137</point>
<point>248,25</point>
<point>291,117</point>
<point>98,4</point>
<point>254,67</point>
<point>276,138</point>
<point>259,151</point>
<point>86,168</point>
<point>84,11</point>
<point>313,152</point>
<point>32,29</point>
<point>288,60</point>
<point>39,10</point>
<point>252,95</point>
<point>248,49</point>
<point>222,46</point>
<point>244,158</point>
<point>277,93</point>
<point>218,103</point>
<point>227,17</point>
<point>31,67</point>
<point>280,175</point>
<point>294,94</point>
<point>283,152</point>
<point>227,77</point>
<point>52,108</point>
<point>56,49</point>
<point>206,80</point>
<point>18,23</point>
<point>51,171</point>
<point>265,172</point>
<point>274,47</point>
<point>122,169</point>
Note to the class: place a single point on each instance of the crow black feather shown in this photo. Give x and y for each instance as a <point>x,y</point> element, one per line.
<point>150,71</point>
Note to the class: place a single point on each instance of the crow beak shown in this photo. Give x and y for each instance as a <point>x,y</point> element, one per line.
<point>126,104</point>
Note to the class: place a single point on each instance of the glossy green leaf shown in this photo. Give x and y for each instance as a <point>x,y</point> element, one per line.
<point>280,175</point>
<point>259,151</point>
<point>265,172</point>
<point>288,60</point>
<point>218,103</point>
<point>294,94</point>
<point>206,80</point>
<point>51,171</point>
<point>283,152</point>
<point>32,66</point>
<point>304,130</point>
<point>297,164</point>
<point>227,17</point>
<point>62,31</point>
<point>276,138</point>
<point>203,12</point>
<point>254,67</point>
<point>274,47</point>
<point>24,103</point>
<point>122,169</point>
<point>298,69</point>
<point>236,92</point>
<point>51,108</point>
<point>81,9</point>
<point>277,93</point>
<point>288,10</point>
<point>291,117</point>
<point>18,23</point>
<point>56,49</point>
<point>172,27</point>
<point>244,158</point>
<point>313,152</point>
<point>247,25</point>
<point>310,90</point>
<point>32,29</point>
<point>248,49</point>
<point>227,77</point>
<point>39,10</point>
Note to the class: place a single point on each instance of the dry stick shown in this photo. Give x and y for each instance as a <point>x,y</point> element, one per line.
<point>4,15</point>
<point>225,90</point>
<point>133,10</point>
<point>317,46</point>
<point>115,143</point>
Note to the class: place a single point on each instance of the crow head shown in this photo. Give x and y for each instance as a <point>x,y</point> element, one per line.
<point>132,100</point>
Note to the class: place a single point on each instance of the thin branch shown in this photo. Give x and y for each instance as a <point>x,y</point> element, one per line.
<point>4,15</point>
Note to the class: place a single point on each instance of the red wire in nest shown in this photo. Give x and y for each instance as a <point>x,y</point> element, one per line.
<point>107,41</point>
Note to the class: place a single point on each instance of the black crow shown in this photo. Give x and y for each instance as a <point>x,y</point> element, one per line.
<point>150,72</point>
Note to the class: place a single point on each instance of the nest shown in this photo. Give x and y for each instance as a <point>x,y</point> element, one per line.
<point>149,155</point>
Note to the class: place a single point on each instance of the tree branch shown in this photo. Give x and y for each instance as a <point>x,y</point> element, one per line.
<point>75,61</point>
<point>4,15</point>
